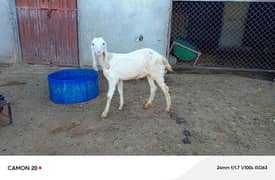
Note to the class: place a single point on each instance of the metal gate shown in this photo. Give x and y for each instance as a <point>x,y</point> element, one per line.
<point>48,31</point>
<point>229,34</point>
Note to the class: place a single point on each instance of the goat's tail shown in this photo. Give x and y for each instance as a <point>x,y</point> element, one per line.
<point>167,65</point>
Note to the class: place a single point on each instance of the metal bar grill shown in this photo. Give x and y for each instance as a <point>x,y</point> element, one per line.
<point>229,34</point>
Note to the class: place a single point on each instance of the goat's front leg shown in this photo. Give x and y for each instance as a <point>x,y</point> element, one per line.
<point>120,91</point>
<point>111,89</point>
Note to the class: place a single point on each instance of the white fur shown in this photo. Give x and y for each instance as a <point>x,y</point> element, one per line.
<point>134,65</point>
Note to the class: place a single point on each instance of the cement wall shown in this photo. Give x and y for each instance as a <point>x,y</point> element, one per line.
<point>8,30</point>
<point>120,23</point>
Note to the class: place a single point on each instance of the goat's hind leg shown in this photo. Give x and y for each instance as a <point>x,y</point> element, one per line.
<point>153,89</point>
<point>111,89</point>
<point>120,91</point>
<point>165,89</point>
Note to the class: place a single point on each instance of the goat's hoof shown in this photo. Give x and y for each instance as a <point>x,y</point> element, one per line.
<point>147,106</point>
<point>168,110</point>
<point>103,115</point>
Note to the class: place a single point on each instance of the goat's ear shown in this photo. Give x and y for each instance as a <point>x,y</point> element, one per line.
<point>106,61</point>
<point>93,58</point>
<point>105,47</point>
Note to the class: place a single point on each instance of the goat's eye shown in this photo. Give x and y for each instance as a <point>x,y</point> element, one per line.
<point>103,44</point>
<point>93,44</point>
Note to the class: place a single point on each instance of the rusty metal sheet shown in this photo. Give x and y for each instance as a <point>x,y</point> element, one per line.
<point>48,31</point>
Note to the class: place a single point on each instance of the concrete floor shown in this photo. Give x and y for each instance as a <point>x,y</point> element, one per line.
<point>225,113</point>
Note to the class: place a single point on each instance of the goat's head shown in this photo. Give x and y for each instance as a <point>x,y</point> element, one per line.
<point>99,49</point>
<point>99,46</point>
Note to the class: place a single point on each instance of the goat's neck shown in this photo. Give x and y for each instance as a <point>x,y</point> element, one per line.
<point>104,60</point>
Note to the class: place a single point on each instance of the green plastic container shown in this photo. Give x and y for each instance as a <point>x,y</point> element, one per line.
<point>183,53</point>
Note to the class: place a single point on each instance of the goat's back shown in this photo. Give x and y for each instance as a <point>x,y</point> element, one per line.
<point>136,64</point>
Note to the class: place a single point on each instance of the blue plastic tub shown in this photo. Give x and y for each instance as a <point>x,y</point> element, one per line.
<point>73,85</point>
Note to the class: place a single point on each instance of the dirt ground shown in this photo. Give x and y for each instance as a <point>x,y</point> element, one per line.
<point>226,114</point>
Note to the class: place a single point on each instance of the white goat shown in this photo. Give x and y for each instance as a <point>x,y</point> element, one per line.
<point>134,65</point>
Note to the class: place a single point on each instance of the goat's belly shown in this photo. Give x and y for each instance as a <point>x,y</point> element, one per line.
<point>131,76</point>
<point>128,69</point>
